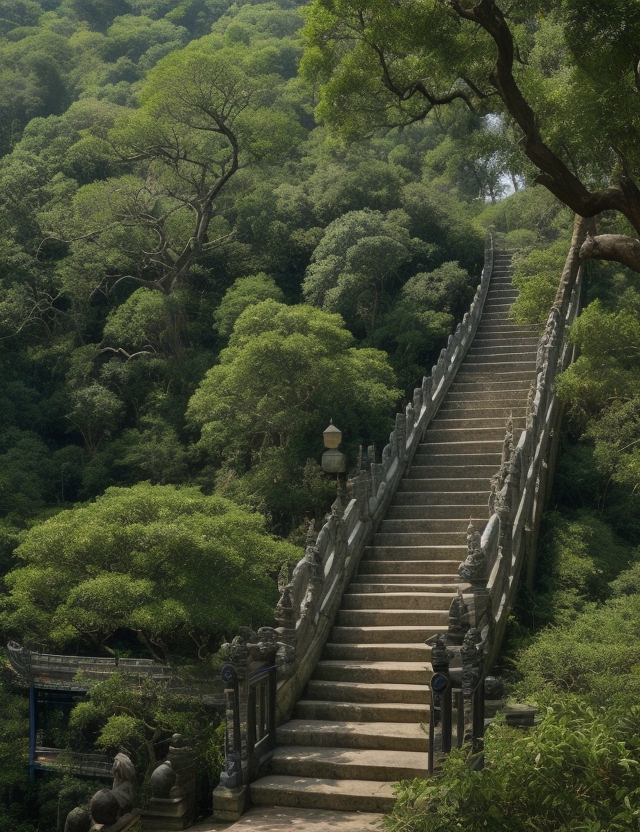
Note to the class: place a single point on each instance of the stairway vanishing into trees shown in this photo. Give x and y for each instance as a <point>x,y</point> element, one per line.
<point>362,723</point>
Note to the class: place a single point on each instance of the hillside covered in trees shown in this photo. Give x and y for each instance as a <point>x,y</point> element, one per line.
<point>223,224</point>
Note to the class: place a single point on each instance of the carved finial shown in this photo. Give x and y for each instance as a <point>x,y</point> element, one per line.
<point>440,656</point>
<point>474,570</point>
<point>311,534</point>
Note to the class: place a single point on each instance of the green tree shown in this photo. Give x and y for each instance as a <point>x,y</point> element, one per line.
<point>168,565</point>
<point>202,116</point>
<point>245,292</point>
<point>565,75</point>
<point>359,254</point>
<point>286,372</point>
<point>141,720</point>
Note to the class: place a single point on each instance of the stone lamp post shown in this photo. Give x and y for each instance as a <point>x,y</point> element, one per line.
<point>335,462</point>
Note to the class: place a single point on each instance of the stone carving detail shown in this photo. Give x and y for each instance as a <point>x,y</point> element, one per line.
<point>78,820</point>
<point>440,655</point>
<point>417,403</point>
<point>458,620</point>
<point>107,805</point>
<point>162,780</point>
<point>124,777</point>
<point>474,568</point>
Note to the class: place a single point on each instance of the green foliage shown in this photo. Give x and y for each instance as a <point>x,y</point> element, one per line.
<point>576,772</point>
<point>359,254</point>
<point>141,719</point>
<point>417,325</point>
<point>536,275</point>
<point>583,656</point>
<point>286,372</point>
<point>14,755</point>
<point>168,564</point>
<point>245,292</point>
<point>578,557</point>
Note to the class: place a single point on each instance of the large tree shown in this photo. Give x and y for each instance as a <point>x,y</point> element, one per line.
<point>169,565</point>
<point>564,74</point>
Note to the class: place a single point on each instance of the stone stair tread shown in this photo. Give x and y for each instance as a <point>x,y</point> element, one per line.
<point>374,631</point>
<point>385,767</point>
<point>408,708</point>
<point>387,688</point>
<point>357,664</point>
<point>313,792</point>
<point>320,727</point>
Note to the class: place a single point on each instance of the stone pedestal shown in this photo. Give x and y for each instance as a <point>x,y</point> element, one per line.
<point>229,804</point>
<point>166,814</point>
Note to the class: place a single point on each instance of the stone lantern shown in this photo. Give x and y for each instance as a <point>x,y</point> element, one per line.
<point>333,460</point>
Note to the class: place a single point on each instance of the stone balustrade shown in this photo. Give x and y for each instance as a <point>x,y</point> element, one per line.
<point>508,543</point>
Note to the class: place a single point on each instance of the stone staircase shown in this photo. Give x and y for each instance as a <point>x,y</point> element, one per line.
<point>362,723</point>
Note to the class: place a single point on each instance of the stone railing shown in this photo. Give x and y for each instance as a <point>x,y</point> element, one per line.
<point>496,558</point>
<point>49,669</point>
<point>309,601</point>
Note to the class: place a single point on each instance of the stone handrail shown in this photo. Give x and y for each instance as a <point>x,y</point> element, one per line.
<point>496,558</point>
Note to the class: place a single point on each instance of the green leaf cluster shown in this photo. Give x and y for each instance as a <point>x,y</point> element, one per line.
<point>167,564</point>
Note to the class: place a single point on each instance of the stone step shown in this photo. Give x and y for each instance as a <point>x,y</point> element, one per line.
<point>440,484</point>
<point>474,410</point>
<point>315,793</point>
<point>437,498</point>
<point>387,652</point>
<point>463,434</point>
<point>396,600</point>
<point>505,330</point>
<point>502,298</point>
<point>390,618</point>
<point>500,373</point>
<point>420,583</point>
<point>417,554</point>
<point>491,387</point>
<point>341,763</point>
<point>410,566</point>
<point>370,692</point>
<point>414,580</point>
<point>376,635</point>
<point>484,397</point>
<point>447,421</point>
<point>362,711</point>
<point>374,672</point>
<point>457,525</point>
<point>503,346</point>
<point>466,446</point>
<point>442,539</point>
<point>421,512</point>
<point>431,454</point>
<point>494,357</point>
<point>383,736</point>
<point>503,369</point>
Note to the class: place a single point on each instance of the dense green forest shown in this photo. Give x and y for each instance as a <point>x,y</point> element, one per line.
<point>223,224</point>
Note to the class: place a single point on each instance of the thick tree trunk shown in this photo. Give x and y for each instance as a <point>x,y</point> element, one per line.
<point>618,247</point>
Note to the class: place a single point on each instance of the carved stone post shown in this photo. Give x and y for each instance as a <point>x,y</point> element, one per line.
<point>400,436</point>
<point>417,403</point>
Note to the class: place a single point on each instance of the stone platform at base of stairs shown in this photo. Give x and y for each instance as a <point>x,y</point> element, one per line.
<point>279,819</point>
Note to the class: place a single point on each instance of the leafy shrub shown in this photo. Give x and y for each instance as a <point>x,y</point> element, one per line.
<point>576,772</point>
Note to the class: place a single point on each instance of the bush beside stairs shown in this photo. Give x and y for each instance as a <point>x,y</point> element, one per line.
<point>363,720</point>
